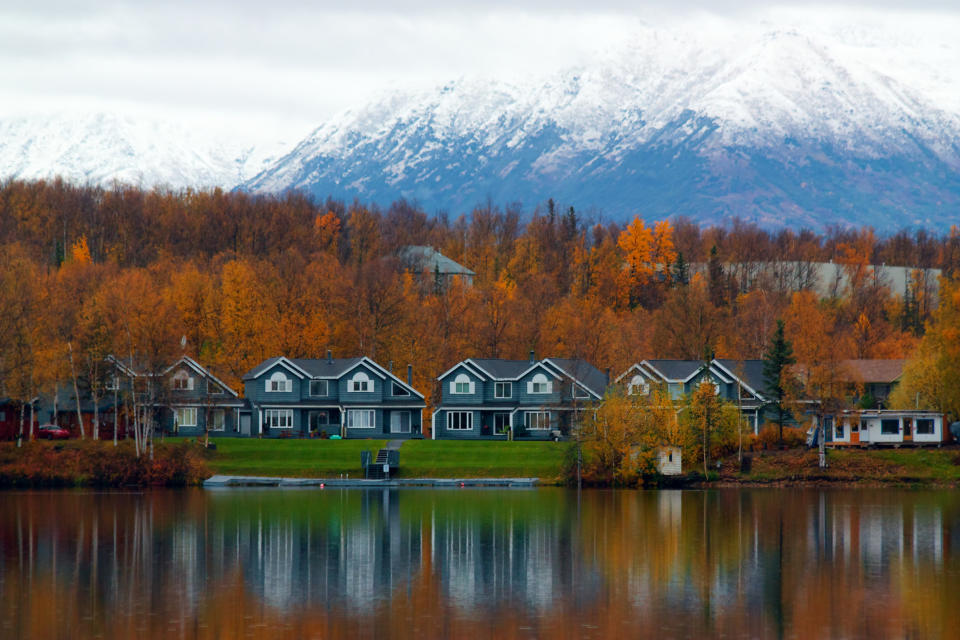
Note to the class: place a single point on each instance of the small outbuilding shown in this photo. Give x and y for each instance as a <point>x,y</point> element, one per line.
<point>668,461</point>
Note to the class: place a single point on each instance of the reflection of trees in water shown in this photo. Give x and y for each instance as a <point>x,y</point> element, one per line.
<point>454,563</point>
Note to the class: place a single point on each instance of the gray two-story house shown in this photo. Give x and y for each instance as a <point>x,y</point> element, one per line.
<point>524,399</point>
<point>193,401</point>
<point>738,381</point>
<point>348,397</point>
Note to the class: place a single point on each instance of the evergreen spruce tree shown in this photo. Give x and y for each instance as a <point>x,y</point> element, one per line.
<point>777,358</point>
<point>681,271</point>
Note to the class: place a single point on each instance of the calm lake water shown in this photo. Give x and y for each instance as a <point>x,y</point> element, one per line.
<point>467,563</point>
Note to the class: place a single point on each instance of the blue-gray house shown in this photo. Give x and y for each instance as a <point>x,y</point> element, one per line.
<point>193,401</point>
<point>523,399</point>
<point>349,397</point>
<point>738,381</point>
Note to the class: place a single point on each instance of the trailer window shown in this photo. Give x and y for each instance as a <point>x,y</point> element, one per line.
<point>925,426</point>
<point>890,427</point>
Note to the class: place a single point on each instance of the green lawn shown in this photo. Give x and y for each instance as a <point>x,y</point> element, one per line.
<point>418,458</point>
<point>290,458</point>
<point>454,459</point>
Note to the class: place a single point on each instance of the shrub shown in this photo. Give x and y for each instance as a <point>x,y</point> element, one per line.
<point>769,437</point>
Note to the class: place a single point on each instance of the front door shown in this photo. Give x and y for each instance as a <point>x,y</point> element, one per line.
<point>907,430</point>
<point>245,424</point>
<point>400,422</point>
<point>855,431</point>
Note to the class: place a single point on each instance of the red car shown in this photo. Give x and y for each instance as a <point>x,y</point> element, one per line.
<point>52,432</point>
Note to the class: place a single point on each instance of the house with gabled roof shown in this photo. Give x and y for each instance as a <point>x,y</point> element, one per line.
<point>497,399</point>
<point>737,381</point>
<point>194,401</point>
<point>349,397</point>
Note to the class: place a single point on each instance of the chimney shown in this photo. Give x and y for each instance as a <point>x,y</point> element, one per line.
<point>608,376</point>
<point>390,366</point>
<point>329,356</point>
<point>410,374</point>
<point>533,357</point>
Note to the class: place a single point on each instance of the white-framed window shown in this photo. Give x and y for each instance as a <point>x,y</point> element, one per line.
<point>501,423</point>
<point>579,392</point>
<point>181,381</point>
<point>397,389</point>
<point>459,420</point>
<point>838,430</point>
<point>214,389</point>
<point>461,384</point>
<point>186,416</point>
<point>318,419</point>
<point>538,420</point>
<point>890,426</point>
<point>539,384</point>
<point>113,384</point>
<point>925,426</point>
<point>503,390</point>
<point>400,422</point>
<point>218,420</point>
<point>360,382</point>
<point>278,418</point>
<point>319,388</point>
<point>279,382</point>
<point>361,419</point>
<point>638,386</point>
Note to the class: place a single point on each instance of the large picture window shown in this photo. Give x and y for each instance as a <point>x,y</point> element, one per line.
<point>361,419</point>
<point>925,426</point>
<point>538,420</point>
<point>278,418</point>
<point>890,427</point>
<point>186,416</point>
<point>460,420</point>
<point>218,420</point>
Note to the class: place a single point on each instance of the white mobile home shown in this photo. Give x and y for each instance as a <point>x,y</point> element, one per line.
<point>885,427</point>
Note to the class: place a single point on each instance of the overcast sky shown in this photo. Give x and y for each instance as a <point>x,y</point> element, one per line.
<point>281,67</point>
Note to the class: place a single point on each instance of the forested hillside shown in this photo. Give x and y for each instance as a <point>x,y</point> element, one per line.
<point>232,278</point>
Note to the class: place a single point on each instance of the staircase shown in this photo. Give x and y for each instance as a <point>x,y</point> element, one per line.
<point>389,458</point>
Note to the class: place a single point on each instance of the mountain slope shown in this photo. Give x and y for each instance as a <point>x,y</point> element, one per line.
<point>782,129</point>
<point>101,148</point>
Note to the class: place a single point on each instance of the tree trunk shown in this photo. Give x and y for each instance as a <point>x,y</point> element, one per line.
<point>20,434</point>
<point>32,417</point>
<point>116,407</point>
<point>76,392</point>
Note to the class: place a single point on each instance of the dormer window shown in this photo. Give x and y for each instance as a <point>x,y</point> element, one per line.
<point>638,387</point>
<point>461,384</point>
<point>539,384</point>
<point>181,381</point>
<point>360,382</point>
<point>279,382</point>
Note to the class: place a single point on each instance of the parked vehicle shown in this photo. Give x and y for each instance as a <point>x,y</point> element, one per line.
<point>52,432</point>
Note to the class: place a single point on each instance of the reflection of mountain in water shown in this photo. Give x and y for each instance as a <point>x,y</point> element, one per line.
<point>459,563</point>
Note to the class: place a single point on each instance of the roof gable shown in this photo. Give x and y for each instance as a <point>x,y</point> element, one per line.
<point>583,373</point>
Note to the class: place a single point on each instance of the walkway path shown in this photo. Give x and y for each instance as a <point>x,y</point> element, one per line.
<point>255,481</point>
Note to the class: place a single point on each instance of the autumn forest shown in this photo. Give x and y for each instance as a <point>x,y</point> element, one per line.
<point>233,278</point>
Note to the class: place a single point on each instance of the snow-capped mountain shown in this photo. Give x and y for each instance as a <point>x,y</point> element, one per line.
<point>782,128</point>
<point>103,148</point>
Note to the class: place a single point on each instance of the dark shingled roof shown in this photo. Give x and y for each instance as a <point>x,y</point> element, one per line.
<point>676,369</point>
<point>319,368</point>
<point>868,371</point>
<point>584,373</point>
<point>502,369</point>
<point>749,371</point>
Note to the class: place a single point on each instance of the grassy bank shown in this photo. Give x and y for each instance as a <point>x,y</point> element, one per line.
<point>418,458</point>
<point>913,467</point>
<point>289,458</point>
<point>453,459</point>
<point>99,463</point>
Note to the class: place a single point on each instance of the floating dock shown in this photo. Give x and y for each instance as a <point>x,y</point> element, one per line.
<point>219,481</point>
